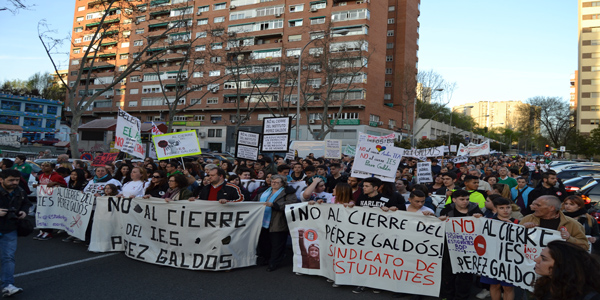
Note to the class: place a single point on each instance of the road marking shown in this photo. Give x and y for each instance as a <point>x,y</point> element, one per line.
<point>64,265</point>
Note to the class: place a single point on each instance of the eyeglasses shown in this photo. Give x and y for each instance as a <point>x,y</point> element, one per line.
<point>157,177</point>
<point>276,182</point>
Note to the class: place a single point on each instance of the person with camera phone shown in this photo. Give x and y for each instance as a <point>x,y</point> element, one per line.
<point>14,204</point>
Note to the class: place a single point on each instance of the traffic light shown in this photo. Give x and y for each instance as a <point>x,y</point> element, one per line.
<point>547,147</point>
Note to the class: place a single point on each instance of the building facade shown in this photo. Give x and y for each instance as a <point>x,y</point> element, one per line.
<point>203,46</point>
<point>38,117</point>
<point>493,114</point>
<point>588,78</point>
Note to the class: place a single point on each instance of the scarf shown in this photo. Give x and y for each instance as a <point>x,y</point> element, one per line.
<point>576,213</point>
<point>171,193</point>
<point>104,178</point>
<point>266,196</point>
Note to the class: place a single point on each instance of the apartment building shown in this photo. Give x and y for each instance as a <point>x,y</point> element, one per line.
<point>373,41</point>
<point>588,75</point>
<point>38,118</point>
<point>493,114</point>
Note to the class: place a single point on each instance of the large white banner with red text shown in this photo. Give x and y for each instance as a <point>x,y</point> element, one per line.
<point>496,249</point>
<point>396,251</point>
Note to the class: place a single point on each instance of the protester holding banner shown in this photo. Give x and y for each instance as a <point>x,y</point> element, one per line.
<point>123,173</point>
<point>567,272</point>
<point>14,205</point>
<point>274,232</point>
<point>219,189</point>
<point>137,185</point>
<point>158,185</point>
<point>547,214</point>
<point>77,180</point>
<point>417,203</point>
<point>342,194</point>
<point>177,188</point>
<point>316,191</point>
<point>102,178</point>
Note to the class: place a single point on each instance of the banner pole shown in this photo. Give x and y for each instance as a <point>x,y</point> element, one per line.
<point>182,163</point>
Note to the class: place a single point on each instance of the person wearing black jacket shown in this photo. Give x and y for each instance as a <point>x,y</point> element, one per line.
<point>158,185</point>
<point>547,187</point>
<point>14,205</point>
<point>219,189</point>
<point>372,198</point>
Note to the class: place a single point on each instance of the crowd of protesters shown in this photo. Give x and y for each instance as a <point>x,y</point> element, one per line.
<point>509,189</point>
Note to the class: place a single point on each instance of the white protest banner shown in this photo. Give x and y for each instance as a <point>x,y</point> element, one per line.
<point>361,174</point>
<point>474,149</point>
<point>299,186</point>
<point>128,137</point>
<point>199,235</point>
<point>349,150</point>
<point>458,159</point>
<point>424,173</point>
<point>496,249</point>
<point>386,140</point>
<point>333,149</point>
<point>246,152</point>
<point>177,144</point>
<point>377,159</point>
<point>275,143</point>
<point>426,152</point>
<point>446,149</point>
<point>152,151</point>
<point>397,251</point>
<point>252,184</point>
<point>65,209</point>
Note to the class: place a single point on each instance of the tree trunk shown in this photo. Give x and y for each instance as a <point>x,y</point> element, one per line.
<point>74,134</point>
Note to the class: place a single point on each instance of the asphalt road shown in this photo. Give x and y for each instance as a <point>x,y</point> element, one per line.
<point>57,270</point>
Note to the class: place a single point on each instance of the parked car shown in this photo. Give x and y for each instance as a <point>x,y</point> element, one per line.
<point>578,165</point>
<point>46,141</point>
<point>574,184</point>
<point>223,156</point>
<point>591,195</point>
<point>578,172</point>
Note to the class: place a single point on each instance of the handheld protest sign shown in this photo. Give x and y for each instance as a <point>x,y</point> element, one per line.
<point>177,144</point>
<point>247,145</point>
<point>128,137</point>
<point>104,159</point>
<point>276,134</point>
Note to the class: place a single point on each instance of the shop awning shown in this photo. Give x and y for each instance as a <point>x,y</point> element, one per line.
<point>158,25</point>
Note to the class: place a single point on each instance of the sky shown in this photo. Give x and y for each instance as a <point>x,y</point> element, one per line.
<point>492,50</point>
<point>500,50</point>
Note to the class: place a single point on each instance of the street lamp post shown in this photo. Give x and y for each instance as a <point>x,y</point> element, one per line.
<point>451,114</point>
<point>342,32</point>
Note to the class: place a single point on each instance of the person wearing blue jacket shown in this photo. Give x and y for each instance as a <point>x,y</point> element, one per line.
<point>520,194</point>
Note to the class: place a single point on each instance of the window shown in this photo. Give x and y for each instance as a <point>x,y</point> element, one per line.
<point>215,59</point>
<point>595,121</point>
<point>219,20</point>
<point>198,117</point>
<point>218,32</point>
<point>138,43</point>
<point>294,37</point>
<point>212,101</point>
<point>125,45</point>
<point>595,108</point>
<point>124,56</point>
<point>122,67</point>
<point>296,8</point>
<point>202,21</point>
<point>203,8</point>
<point>316,35</point>
<point>81,8</point>
<point>389,45</point>
<point>214,73</point>
<point>292,52</point>
<point>220,6</point>
<point>373,118</point>
<point>139,31</point>
<point>390,33</point>
<point>77,41</point>
<point>318,5</point>
<point>391,8</point>
<point>388,84</point>
<point>199,61</point>
<point>132,103</point>
<point>34,108</point>
<point>391,21</point>
<point>148,89</point>
<point>77,51</point>
<point>389,58</point>
<point>78,29</point>
<point>388,71</point>
<point>87,38</point>
<point>215,132</point>
<point>140,19</point>
<point>215,118</point>
<point>318,20</point>
<point>197,74</point>
<point>295,23</point>
<point>75,62</point>
<point>79,19</point>
<point>387,97</point>
<point>182,11</point>
<point>134,91</point>
<point>350,15</point>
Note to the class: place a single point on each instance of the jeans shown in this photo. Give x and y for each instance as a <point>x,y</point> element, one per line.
<point>8,247</point>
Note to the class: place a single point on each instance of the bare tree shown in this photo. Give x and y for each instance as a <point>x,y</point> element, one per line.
<point>14,6</point>
<point>554,116</point>
<point>103,34</point>
<point>342,67</point>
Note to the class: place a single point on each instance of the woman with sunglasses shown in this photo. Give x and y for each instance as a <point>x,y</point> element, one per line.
<point>158,185</point>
